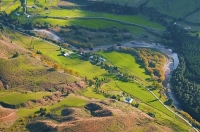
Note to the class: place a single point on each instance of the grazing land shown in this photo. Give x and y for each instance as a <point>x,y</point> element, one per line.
<point>17,97</point>
<point>63,66</point>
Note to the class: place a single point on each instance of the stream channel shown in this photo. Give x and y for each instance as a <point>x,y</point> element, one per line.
<point>170,65</point>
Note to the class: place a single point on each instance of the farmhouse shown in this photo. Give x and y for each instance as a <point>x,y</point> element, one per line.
<point>128,100</point>
<point>66,54</point>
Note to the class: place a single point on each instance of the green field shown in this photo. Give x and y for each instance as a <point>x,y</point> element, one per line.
<point>174,122</point>
<point>142,94</point>
<point>85,68</point>
<point>91,94</point>
<point>6,4</point>
<point>17,97</point>
<point>13,7</point>
<point>194,18</point>
<point>127,63</point>
<point>177,8</point>
<point>81,13</point>
<point>39,73</point>
<point>42,3</point>
<point>70,14</point>
<point>92,23</point>
<point>133,3</point>
<point>69,101</point>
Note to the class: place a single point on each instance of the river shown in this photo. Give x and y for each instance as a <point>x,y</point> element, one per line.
<point>171,64</point>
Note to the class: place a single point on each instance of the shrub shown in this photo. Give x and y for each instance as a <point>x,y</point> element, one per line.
<point>15,55</point>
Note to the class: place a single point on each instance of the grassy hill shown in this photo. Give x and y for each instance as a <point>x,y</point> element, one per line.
<point>173,8</point>
<point>25,71</point>
<point>134,3</point>
<point>29,67</point>
<point>28,72</point>
<point>122,117</point>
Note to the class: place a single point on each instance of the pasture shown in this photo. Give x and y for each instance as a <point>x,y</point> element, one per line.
<point>92,23</point>
<point>127,63</point>
<point>89,93</point>
<point>175,122</point>
<point>6,4</point>
<point>12,6</point>
<point>42,3</point>
<point>15,98</point>
<point>85,68</point>
<point>133,3</point>
<point>69,101</point>
<point>81,13</point>
<point>142,94</point>
<point>170,8</point>
<point>194,18</point>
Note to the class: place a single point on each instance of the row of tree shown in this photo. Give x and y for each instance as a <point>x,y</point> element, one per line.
<point>187,92</point>
<point>186,78</point>
<point>152,61</point>
<point>150,12</point>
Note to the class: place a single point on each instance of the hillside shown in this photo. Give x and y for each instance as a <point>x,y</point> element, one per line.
<point>33,69</point>
<point>103,116</point>
<point>26,71</point>
<point>134,3</point>
<point>172,8</point>
<point>97,65</point>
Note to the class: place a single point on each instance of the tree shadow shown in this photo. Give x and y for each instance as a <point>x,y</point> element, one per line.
<point>148,79</point>
<point>152,101</point>
<point>60,55</point>
<point>51,69</point>
<point>167,103</point>
<point>153,88</point>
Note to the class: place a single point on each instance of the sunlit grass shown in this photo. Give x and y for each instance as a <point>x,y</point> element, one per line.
<point>70,101</point>
<point>81,13</point>
<point>92,23</point>
<point>6,4</point>
<point>17,97</point>
<point>91,94</point>
<point>13,7</point>
<point>127,63</point>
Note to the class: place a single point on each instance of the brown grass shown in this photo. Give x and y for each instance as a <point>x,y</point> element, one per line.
<point>7,117</point>
<point>29,73</point>
<point>127,120</point>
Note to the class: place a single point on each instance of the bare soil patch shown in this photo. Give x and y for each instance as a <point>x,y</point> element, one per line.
<point>7,49</point>
<point>7,117</point>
